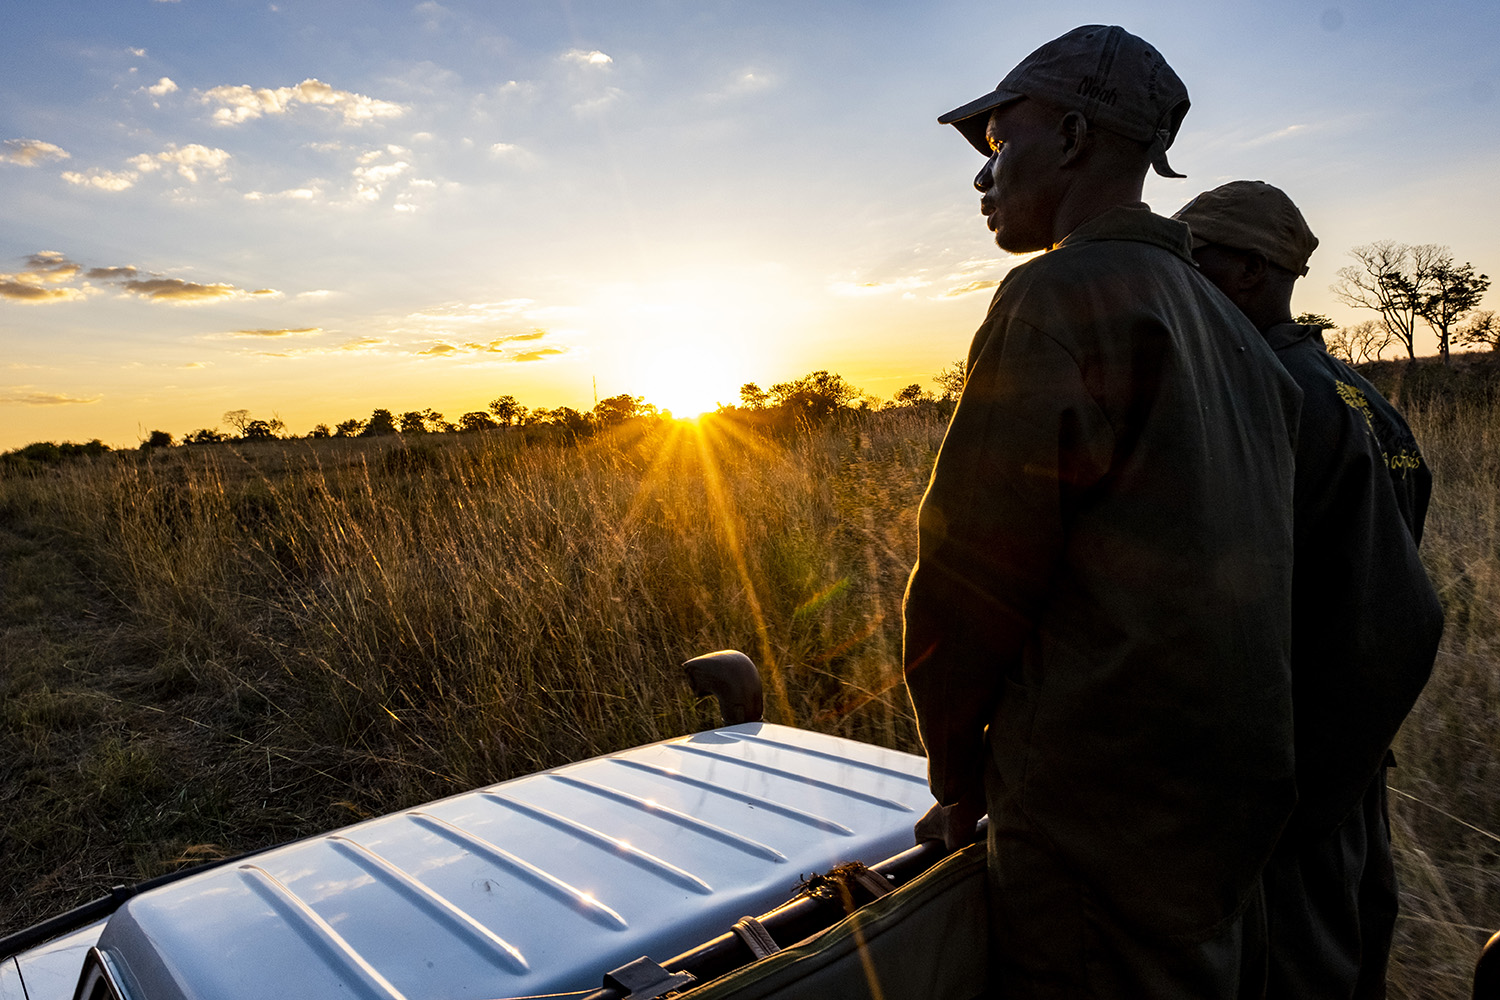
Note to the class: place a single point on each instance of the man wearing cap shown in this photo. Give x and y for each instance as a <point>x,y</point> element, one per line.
<point>1365,618</point>
<point>1098,624</point>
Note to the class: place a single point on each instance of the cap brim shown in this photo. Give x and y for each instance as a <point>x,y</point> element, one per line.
<point>972,119</point>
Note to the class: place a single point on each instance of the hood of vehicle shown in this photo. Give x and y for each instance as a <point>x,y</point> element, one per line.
<point>536,885</point>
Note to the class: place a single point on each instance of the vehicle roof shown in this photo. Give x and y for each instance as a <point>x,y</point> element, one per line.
<point>536,885</point>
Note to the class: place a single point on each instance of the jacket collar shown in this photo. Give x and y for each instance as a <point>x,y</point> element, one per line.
<point>1284,335</point>
<point>1138,223</point>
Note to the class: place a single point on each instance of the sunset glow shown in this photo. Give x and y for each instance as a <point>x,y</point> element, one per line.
<point>267,207</point>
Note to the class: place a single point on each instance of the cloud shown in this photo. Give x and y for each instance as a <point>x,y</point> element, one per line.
<point>748,81</point>
<point>591,58</point>
<point>22,291</point>
<point>364,344</point>
<point>162,87</point>
<point>370,181</point>
<point>969,289</point>
<point>604,100</point>
<point>197,364</point>
<point>187,159</point>
<point>50,276</point>
<point>509,152</point>
<point>38,282</point>
<point>24,398</point>
<point>175,291</point>
<point>104,180</point>
<point>290,194</point>
<point>51,266</point>
<point>877,287</point>
<point>537,355</point>
<point>499,349</point>
<point>244,103</point>
<point>303,331</point>
<point>30,152</point>
<point>1273,136</point>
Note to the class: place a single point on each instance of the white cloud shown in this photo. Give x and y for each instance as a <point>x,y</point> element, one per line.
<point>188,159</point>
<point>104,180</point>
<point>244,103</point>
<point>30,152</point>
<point>161,87</point>
<point>1273,136</point>
<point>371,181</point>
<point>591,58</point>
<point>290,194</point>
<point>509,152</point>
<point>604,100</point>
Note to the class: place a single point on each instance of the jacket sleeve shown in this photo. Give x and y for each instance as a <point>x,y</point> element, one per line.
<point>1026,443</point>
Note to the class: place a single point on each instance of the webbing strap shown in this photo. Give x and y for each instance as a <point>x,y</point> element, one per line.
<point>872,882</point>
<point>756,937</point>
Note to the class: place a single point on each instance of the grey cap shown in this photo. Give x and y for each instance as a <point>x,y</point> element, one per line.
<point>1116,79</point>
<point>1254,216</point>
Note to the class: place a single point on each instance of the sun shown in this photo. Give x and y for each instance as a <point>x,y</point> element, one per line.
<point>683,353</point>
<point>689,379</point>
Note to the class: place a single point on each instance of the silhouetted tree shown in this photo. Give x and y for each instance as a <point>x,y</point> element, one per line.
<point>320,431</point>
<point>618,409</point>
<point>1392,279</point>
<point>381,423</point>
<point>814,397</point>
<point>1315,319</point>
<point>1359,343</point>
<point>262,430</point>
<point>912,395</point>
<point>507,410</point>
<point>1453,290</point>
<point>753,397</point>
<point>157,439</point>
<point>237,419</point>
<point>1482,330</point>
<point>204,435</point>
<point>477,420</point>
<point>348,428</point>
<point>413,423</point>
<point>951,380</point>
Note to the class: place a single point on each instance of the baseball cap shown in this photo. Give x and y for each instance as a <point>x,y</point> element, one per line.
<point>1116,79</point>
<point>1251,215</point>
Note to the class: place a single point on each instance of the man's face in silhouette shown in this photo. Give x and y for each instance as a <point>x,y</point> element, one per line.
<point>1018,187</point>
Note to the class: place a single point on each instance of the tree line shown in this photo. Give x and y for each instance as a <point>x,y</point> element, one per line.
<point>806,401</point>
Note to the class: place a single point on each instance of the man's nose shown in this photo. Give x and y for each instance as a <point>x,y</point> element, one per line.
<point>985,179</point>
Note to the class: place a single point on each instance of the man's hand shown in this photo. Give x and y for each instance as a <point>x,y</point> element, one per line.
<point>953,824</point>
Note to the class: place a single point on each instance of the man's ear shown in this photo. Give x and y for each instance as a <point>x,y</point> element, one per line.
<point>1073,132</point>
<point>1255,269</point>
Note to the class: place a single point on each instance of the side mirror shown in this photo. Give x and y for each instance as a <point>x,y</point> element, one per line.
<point>730,676</point>
<point>1487,971</point>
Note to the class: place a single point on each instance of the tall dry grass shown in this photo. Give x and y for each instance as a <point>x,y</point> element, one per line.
<point>344,628</point>
<point>246,643</point>
<point>1445,802</point>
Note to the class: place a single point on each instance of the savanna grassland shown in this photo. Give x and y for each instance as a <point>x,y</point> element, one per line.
<point>216,648</point>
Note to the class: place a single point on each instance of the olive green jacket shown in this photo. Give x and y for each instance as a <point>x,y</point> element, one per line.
<point>1104,576</point>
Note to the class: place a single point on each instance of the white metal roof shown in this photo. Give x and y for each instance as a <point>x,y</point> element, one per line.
<point>532,886</point>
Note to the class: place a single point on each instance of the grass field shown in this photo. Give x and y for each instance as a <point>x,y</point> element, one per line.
<point>211,649</point>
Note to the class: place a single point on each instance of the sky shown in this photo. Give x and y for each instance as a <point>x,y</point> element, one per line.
<point>310,209</point>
